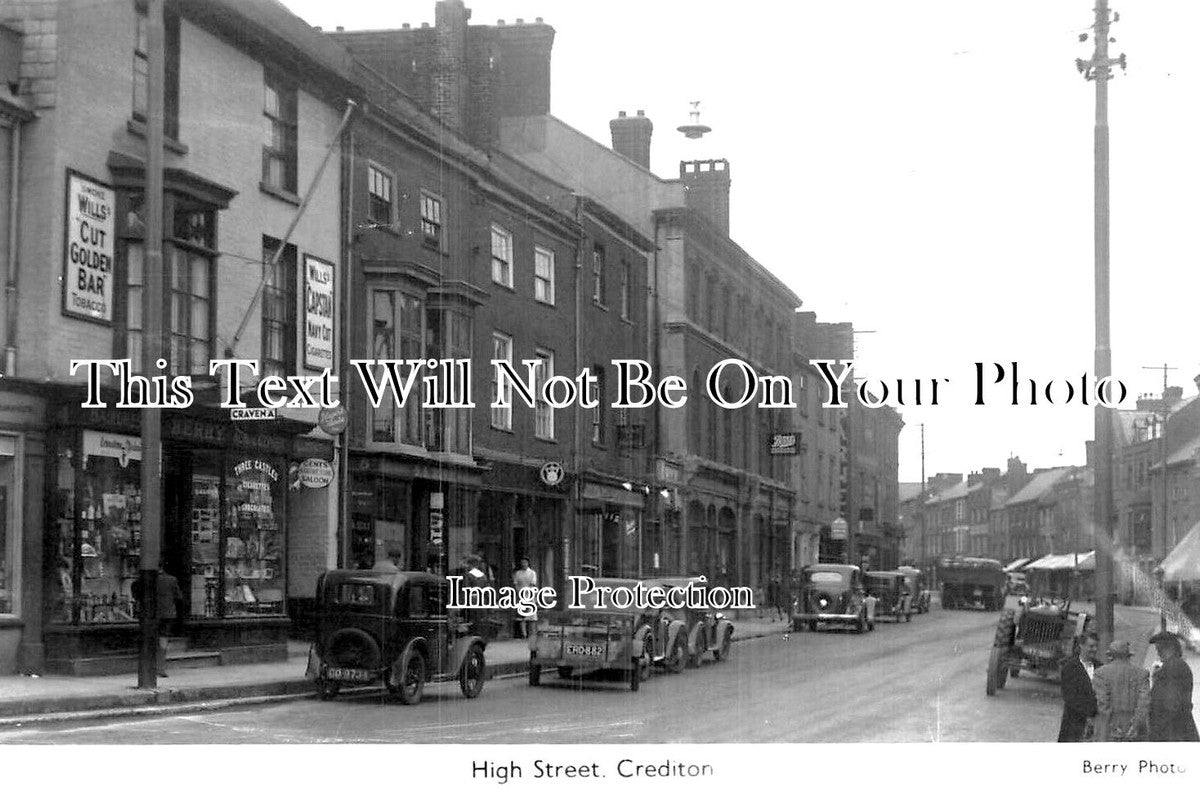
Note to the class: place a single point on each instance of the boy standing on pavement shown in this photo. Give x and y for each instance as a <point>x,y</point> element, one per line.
<point>1079,699</point>
<point>1122,698</point>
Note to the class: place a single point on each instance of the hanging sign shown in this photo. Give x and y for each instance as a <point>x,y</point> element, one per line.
<point>316,473</point>
<point>318,313</point>
<point>88,249</point>
<point>552,473</point>
<point>332,420</point>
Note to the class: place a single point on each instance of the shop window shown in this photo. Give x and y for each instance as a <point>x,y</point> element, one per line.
<point>397,320</point>
<point>141,71</point>
<point>431,220</point>
<point>543,412</point>
<point>98,551</point>
<point>379,196</point>
<point>543,275</point>
<point>205,584</point>
<point>10,543</point>
<point>279,147</point>
<point>502,256</point>
<point>253,539</point>
<point>278,309</point>
<point>502,350</point>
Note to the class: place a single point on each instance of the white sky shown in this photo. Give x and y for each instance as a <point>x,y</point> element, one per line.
<point>922,169</point>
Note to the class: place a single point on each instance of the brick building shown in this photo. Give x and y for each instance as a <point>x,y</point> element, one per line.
<point>235,534</point>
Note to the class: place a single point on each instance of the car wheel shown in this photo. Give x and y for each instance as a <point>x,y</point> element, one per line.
<point>566,672</point>
<point>535,673</point>
<point>677,658</point>
<point>327,690</point>
<point>472,674</point>
<point>997,671</point>
<point>412,680</point>
<point>722,654</point>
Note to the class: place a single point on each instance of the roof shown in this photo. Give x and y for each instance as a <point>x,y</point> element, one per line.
<point>1016,565</point>
<point>1184,453</point>
<point>1083,561</point>
<point>1038,486</point>
<point>909,491</point>
<point>953,493</point>
<point>1183,562</point>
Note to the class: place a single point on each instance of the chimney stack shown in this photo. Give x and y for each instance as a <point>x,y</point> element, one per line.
<point>450,63</point>
<point>707,187</point>
<point>631,137</point>
<point>1172,394</point>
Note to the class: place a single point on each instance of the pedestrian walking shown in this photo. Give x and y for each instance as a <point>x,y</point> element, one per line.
<point>775,596</point>
<point>525,577</point>
<point>168,599</point>
<point>1122,698</point>
<point>1171,693</point>
<point>1079,698</point>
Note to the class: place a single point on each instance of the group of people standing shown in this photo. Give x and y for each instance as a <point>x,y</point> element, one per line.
<point>1121,702</point>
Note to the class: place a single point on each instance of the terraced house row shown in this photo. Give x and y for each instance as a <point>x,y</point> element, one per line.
<point>397,194</point>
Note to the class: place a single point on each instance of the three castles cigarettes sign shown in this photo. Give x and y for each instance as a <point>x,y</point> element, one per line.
<point>318,313</point>
<point>89,249</point>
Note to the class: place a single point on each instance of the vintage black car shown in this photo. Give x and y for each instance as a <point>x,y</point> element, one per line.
<point>708,630</point>
<point>392,627</point>
<point>830,593</point>
<point>592,638</point>
<point>892,597</point>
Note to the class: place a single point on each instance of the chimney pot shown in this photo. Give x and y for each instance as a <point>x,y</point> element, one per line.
<point>499,22</point>
<point>538,20</point>
<point>520,21</point>
<point>622,113</point>
<point>424,24</point>
<point>406,26</point>
<point>641,112</point>
<point>317,28</point>
<point>340,29</point>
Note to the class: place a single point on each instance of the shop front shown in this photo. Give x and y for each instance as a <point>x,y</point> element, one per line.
<point>22,450</point>
<point>225,491</point>
<point>615,542</point>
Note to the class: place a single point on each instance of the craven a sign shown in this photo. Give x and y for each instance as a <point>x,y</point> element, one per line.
<point>318,313</point>
<point>88,249</point>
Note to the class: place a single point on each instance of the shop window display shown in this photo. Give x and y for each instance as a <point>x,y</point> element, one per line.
<point>253,540</point>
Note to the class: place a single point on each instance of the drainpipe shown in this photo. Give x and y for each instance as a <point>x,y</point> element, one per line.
<point>10,263</point>
<point>577,440</point>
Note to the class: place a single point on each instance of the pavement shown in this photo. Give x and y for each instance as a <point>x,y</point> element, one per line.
<point>40,699</point>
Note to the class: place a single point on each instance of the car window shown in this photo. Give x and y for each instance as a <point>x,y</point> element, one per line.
<point>435,600</point>
<point>417,605</point>
<point>825,577</point>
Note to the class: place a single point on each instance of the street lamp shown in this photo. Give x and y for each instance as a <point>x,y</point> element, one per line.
<point>1159,573</point>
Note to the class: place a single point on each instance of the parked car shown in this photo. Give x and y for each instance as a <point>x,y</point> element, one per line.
<point>891,593</point>
<point>708,630</point>
<point>918,588</point>
<point>830,593</point>
<point>589,639</point>
<point>392,627</point>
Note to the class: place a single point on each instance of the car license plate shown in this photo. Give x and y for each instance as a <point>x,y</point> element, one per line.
<point>584,649</point>
<point>347,674</point>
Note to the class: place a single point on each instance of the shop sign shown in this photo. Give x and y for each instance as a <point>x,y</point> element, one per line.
<point>332,420</point>
<point>89,249</point>
<point>241,414</point>
<point>112,445</point>
<point>318,313</point>
<point>667,473</point>
<point>784,444</point>
<point>552,473</point>
<point>436,527</point>
<point>316,473</point>
<point>839,529</point>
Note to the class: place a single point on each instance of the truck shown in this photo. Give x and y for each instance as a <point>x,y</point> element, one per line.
<point>968,582</point>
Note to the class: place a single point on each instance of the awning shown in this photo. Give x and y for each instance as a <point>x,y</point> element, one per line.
<point>1183,563</point>
<point>1016,565</point>
<point>1083,561</point>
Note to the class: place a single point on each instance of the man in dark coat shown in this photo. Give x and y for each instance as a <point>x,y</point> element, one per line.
<point>1079,699</point>
<point>1171,694</point>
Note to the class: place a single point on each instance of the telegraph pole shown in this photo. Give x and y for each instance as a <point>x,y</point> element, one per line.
<point>1099,70</point>
<point>152,340</point>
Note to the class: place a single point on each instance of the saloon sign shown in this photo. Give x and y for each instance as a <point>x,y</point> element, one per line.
<point>318,313</point>
<point>88,249</point>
